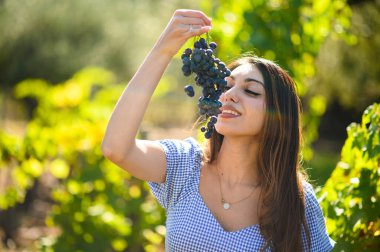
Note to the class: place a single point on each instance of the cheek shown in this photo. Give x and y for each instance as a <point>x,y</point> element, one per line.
<point>257,107</point>
<point>257,115</point>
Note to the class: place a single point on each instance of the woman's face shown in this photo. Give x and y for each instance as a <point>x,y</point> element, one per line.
<point>243,110</point>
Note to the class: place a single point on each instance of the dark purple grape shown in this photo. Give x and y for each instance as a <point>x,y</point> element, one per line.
<point>213,119</point>
<point>188,51</point>
<point>203,42</point>
<point>189,90</point>
<point>210,125</point>
<point>186,61</point>
<point>213,45</point>
<point>197,58</point>
<point>221,66</point>
<point>209,52</point>
<point>210,75</point>
<point>208,134</point>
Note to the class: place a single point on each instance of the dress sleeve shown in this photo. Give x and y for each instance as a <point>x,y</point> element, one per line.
<point>182,159</point>
<point>320,240</point>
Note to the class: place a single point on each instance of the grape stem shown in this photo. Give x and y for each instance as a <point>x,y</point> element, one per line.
<point>208,37</point>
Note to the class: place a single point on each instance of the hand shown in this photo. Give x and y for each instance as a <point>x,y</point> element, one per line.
<point>183,25</point>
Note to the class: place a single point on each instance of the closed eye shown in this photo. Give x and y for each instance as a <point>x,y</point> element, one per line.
<point>226,88</point>
<point>251,92</point>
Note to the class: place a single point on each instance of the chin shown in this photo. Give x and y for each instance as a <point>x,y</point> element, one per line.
<point>235,131</point>
<point>228,131</point>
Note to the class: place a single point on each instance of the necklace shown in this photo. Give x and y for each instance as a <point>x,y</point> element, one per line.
<point>227,205</point>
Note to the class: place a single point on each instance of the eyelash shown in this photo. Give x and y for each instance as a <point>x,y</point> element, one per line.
<point>251,92</point>
<point>246,90</point>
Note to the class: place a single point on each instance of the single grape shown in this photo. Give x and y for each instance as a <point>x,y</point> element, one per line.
<point>210,125</point>
<point>188,51</point>
<point>213,119</point>
<point>189,90</point>
<point>228,72</point>
<point>213,45</point>
<point>208,134</point>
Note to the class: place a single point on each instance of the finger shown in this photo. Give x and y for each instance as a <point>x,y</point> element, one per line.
<point>194,13</point>
<point>191,20</point>
<point>190,27</point>
<point>197,30</point>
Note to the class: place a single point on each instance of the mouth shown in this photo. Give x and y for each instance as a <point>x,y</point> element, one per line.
<point>229,112</point>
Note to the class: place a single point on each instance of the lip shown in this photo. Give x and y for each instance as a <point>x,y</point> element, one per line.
<point>235,112</point>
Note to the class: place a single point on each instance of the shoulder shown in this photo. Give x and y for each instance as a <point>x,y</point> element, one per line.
<point>183,159</point>
<point>181,148</point>
<point>311,201</point>
<point>320,240</point>
<point>308,191</point>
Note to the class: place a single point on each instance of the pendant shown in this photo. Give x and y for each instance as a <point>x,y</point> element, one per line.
<point>226,206</point>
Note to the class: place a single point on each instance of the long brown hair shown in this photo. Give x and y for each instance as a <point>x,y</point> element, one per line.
<point>282,213</point>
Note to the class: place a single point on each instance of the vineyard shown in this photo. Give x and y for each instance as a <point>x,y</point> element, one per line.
<point>99,207</point>
<point>59,193</point>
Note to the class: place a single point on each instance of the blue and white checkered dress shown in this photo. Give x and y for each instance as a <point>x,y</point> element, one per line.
<point>190,226</point>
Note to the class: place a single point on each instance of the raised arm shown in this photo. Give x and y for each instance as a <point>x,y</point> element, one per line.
<point>141,158</point>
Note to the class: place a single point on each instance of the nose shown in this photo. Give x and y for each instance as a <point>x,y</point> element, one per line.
<point>229,95</point>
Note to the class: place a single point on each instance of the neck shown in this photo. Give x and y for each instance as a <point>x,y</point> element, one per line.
<point>237,160</point>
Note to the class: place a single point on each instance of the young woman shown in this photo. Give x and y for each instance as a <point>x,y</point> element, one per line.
<point>244,191</point>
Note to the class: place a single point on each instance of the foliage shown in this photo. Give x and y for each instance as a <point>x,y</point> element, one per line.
<point>289,32</point>
<point>301,27</point>
<point>350,197</point>
<point>349,74</point>
<point>52,39</point>
<point>98,206</point>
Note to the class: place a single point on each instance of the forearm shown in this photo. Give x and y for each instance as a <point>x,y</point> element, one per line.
<point>131,106</point>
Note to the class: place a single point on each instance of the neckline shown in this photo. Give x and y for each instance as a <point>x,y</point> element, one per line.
<point>254,226</point>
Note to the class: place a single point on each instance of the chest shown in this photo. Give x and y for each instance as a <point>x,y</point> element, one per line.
<point>190,226</point>
<point>240,215</point>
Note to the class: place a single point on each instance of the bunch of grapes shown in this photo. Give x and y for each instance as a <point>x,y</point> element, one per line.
<point>210,74</point>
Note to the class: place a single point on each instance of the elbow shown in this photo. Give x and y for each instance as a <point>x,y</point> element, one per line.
<point>110,153</point>
<point>106,150</point>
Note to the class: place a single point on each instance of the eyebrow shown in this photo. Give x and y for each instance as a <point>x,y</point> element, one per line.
<point>248,80</point>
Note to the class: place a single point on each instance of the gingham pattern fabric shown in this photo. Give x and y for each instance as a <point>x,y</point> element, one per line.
<point>190,226</point>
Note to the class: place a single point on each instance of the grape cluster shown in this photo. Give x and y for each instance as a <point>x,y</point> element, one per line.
<point>210,73</point>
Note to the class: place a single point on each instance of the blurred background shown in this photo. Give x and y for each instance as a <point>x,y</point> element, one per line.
<point>64,64</point>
